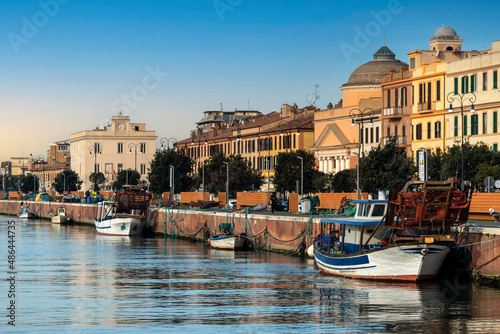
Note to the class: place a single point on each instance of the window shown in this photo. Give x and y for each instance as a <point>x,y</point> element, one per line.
<point>456,85</point>
<point>143,169</point>
<point>120,147</point>
<point>396,130</point>
<point>412,95</point>
<point>438,90</point>
<point>371,135</point>
<point>397,102</point>
<point>63,148</point>
<point>485,123</point>
<point>495,79</point>
<point>485,80</point>
<point>419,131</point>
<point>420,93</point>
<point>412,63</point>
<point>404,97</point>
<point>456,126</point>
<point>437,129</point>
<point>142,148</point>
<point>377,137</point>
<point>428,130</point>
<point>388,98</point>
<point>403,130</point>
<point>474,126</point>
<point>388,131</point>
<point>429,91</point>
<point>473,83</point>
<point>495,148</point>
<point>495,121</point>
<point>465,84</point>
<point>366,135</point>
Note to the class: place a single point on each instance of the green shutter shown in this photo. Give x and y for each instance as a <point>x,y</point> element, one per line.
<point>495,120</point>
<point>476,116</point>
<point>495,148</point>
<point>456,85</point>
<point>495,77</point>
<point>473,83</point>
<point>465,125</point>
<point>456,126</point>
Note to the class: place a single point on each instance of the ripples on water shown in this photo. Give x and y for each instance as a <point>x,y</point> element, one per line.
<point>72,280</point>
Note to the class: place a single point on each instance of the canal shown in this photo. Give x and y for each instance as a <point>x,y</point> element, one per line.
<point>70,280</point>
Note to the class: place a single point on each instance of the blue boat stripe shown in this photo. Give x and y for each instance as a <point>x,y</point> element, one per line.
<point>343,261</point>
<point>103,227</point>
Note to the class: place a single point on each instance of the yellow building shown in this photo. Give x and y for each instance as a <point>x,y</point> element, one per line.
<point>475,79</point>
<point>353,126</point>
<point>19,165</point>
<point>258,139</point>
<point>429,116</point>
<point>119,146</point>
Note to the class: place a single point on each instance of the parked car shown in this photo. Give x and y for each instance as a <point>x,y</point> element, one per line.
<point>232,203</point>
<point>283,206</point>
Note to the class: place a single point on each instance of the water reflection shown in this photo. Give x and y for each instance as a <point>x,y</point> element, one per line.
<point>71,277</point>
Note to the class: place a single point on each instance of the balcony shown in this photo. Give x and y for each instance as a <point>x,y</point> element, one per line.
<point>426,106</point>
<point>400,140</point>
<point>393,111</point>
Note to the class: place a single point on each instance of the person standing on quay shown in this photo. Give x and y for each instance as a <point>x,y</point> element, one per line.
<point>272,201</point>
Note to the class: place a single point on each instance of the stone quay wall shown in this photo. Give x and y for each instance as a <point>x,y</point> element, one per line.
<point>270,232</point>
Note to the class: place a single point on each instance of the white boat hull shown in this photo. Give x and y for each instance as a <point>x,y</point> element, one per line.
<point>226,242</point>
<point>26,215</point>
<point>409,262</point>
<point>120,226</point>
<point>59,219</point>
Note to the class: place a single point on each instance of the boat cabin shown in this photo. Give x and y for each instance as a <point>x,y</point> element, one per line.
<point>352,234</point>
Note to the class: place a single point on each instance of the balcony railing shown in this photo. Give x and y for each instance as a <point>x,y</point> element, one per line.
<point>393,111</point>
<point>400,140</point>
<point>426,106</point>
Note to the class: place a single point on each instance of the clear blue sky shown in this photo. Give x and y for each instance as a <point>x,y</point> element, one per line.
<point>69,73</point>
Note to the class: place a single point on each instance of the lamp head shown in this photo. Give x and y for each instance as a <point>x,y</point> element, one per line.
<point>451,108</point>
<point>472,108</point>
<point>352,123</point>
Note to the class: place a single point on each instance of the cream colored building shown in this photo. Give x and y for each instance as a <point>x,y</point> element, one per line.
<point>121,145</point>
<point>475,78</point>
<point>353,126</point>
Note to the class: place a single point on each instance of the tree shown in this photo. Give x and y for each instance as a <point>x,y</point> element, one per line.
<point>345,181</point>
<point>28,183</point>
<point>97,179</point>
<point>129,176</point>
<point>385,167</point>
<point>434,166</point>
<point>159,176</point>
<point>474,155</point>
<point>70,179</point>
<point>242,177</point>
<point>485,169</point>
<point>288,171</point>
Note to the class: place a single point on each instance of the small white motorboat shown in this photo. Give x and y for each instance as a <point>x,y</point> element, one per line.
<point>25,213</point>
<point>226,239</point>
<point>61,217</point>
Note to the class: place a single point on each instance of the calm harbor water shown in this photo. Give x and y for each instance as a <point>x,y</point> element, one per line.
<point>70,280</point>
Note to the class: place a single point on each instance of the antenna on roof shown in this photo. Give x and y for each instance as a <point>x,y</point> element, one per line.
<point>384,39</point>
<point>316,93</point>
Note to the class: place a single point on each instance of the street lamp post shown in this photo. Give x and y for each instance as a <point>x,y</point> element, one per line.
<point>461,98</point>
<point>165,142</point>
<point>203,182</point>
<point>357,177</point>
<point>360,116</point>
<point>95,149</point>
<point>294,123</point>
<point>301,177</point>
<point>199,135</point>
<point>130,146</point>
<point>227,183</point>
<point>172,182</point>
